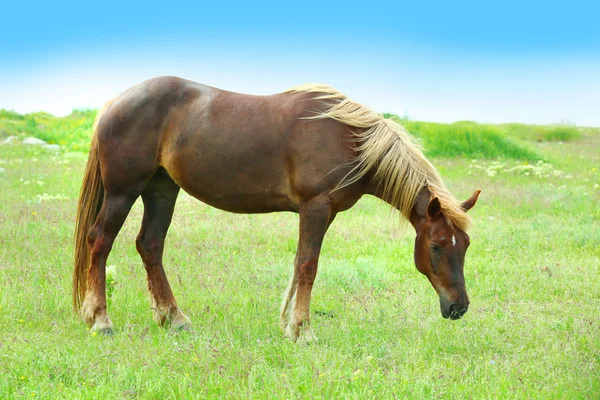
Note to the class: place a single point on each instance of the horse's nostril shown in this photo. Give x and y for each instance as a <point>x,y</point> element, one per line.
<point>456,311</point>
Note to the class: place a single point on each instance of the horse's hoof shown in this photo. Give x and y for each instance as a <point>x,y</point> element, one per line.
<point>103,330</point>
<point>283,324</point>
<point>180,322</point>
<point>300,335</point>
<point>307,336</point>
<point>290,334</point>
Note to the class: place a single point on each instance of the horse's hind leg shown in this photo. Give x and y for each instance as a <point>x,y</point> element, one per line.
<point>101,237</point>
<point>159,198</point>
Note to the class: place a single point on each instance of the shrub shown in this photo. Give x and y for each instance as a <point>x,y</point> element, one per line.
<point>539,133</point>
<point>471,140</point>
<point>466,139</point>
<point>73,132</point>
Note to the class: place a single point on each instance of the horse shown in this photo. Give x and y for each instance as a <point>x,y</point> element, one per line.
<point>309,150</point>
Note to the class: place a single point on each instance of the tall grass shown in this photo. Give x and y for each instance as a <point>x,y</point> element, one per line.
<point>466,139</point>
<point>539,133</point>
<point>470,140</point>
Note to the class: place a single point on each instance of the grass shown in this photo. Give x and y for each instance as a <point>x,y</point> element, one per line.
<point>468,139</point>
<point>550,133</point>
<point>473,140</point>
<point>532,271</point>
<point>72,132</point>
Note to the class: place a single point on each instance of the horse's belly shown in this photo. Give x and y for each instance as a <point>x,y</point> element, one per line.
<point>247,203</point>
<point>241,187</point>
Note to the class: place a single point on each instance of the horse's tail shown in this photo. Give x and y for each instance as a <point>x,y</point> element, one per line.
<point>90,202</point>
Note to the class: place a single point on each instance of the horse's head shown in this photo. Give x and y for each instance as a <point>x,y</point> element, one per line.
<point>440,250</point>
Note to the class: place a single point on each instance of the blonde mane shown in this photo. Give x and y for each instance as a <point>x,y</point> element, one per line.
<point>383,144</point>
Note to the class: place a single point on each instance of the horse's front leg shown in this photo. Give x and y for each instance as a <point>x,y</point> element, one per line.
<point>315,217</point>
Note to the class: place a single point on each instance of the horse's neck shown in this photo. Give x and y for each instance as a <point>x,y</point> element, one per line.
<point>419,211</point>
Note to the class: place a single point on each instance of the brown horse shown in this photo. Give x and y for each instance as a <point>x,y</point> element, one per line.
<point>309,150</point>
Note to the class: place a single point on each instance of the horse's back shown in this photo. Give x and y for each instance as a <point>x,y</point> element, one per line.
<point>237,152</point>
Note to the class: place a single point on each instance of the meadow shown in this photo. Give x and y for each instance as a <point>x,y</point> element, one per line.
<point>532,273</point>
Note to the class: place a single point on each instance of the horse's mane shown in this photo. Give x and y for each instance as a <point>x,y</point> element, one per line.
<point>401,167</point>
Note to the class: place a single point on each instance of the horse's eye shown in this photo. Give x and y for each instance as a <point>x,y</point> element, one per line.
<point>435,255</point>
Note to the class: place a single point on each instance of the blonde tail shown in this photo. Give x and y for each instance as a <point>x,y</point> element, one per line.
<point>90,202</point>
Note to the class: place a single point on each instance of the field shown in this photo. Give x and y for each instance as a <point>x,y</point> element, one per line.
<point>532,272</point>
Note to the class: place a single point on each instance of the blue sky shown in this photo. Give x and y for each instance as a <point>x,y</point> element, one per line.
<point>532,62</point>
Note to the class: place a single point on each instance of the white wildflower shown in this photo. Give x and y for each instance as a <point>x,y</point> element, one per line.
<point>47,197</point>
<point>111,271</point>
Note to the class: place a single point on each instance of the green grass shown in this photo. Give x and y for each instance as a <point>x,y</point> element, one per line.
<point>468,139</point>
<point>550,133</point>
<point>485,141</point>
<point>532,271</point>
<point>73,132</point>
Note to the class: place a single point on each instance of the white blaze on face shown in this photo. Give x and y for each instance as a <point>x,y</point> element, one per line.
<point>453,241</point>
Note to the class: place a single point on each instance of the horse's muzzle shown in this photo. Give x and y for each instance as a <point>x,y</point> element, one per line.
<point>454,311</point>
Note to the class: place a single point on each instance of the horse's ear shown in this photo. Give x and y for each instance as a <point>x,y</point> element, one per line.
<point>470,202</point>
<point>434,209</point>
